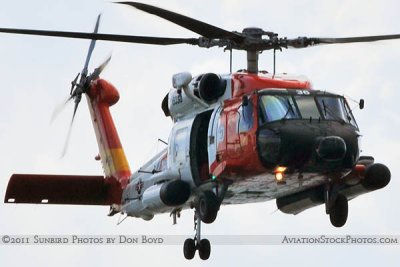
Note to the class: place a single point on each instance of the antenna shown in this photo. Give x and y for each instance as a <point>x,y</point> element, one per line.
<point>273,75</point>
<point>230,61</point>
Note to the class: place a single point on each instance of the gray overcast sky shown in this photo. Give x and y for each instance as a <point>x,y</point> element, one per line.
<point>35,75</point>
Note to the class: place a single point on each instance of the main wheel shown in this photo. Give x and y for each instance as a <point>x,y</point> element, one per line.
<point>339,211</point>
<point>204,249</point>
<point>189,248</point>
<point>207,206</point>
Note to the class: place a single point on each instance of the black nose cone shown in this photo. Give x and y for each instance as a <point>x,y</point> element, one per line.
<point>331,148</point>
<point>315,146</point>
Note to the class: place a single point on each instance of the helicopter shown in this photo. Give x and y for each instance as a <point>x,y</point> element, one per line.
<point>238,138</point>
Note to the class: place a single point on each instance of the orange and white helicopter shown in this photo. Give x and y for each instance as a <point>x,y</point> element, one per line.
<point>237,138</point>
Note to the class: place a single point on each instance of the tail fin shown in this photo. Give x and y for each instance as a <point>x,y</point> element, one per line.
<point>101,96</point>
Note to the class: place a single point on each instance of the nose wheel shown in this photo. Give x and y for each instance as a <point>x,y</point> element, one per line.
<point>337,206</point>
<point>339,211</point>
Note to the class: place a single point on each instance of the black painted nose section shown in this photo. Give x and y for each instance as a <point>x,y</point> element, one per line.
<point>331,148</point>
<point>301,144</point>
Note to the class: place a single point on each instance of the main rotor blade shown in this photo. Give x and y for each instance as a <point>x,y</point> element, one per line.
<point>359,39</point>
<point>202,28</point>
<point>106,37</point>
<point>91,48</point>
<point>305,41</point>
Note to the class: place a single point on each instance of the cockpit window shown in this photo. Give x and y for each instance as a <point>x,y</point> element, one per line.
<point>307,107</point>
<point>287,106</point>
<point>349,114</point>
<point>332,108</point>
<point>277,107</point>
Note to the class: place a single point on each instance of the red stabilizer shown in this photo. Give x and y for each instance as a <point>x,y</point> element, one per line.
<point>63,189</point>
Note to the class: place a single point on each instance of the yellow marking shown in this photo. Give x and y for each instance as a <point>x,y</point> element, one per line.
<point>117,159</point>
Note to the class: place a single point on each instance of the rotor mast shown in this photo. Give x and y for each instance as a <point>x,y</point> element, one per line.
<point>254,36</point>
<point>252,61</point>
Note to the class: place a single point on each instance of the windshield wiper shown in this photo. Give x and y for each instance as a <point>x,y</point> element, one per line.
<point>333,114</point>
<point>290,108</point>
<point>323,103</point>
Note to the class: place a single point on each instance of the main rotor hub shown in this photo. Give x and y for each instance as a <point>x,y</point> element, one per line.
<point>253,36</point>
<point>254,44</point>
<point>253,32</point>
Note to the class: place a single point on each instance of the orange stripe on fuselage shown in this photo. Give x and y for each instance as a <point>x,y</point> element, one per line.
<point>101,96</point>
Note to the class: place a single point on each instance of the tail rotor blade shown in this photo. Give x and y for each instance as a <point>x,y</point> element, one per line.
<point>66,144</point>
<point>73,83</point>
<point>91,47</point>
<point>58,109</point>
<point>104,64</point>
<point>77,89</point>
<point>96,73</point>
<point>77,100</point>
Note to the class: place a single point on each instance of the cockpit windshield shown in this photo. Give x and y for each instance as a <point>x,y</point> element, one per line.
<point>281,106</point>
<point>277,107</point>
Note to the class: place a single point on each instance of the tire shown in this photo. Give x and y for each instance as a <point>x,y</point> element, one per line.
<point>204,249</point>
<point>207,206</point>
<point>339,211</point>
<point>189,249</point>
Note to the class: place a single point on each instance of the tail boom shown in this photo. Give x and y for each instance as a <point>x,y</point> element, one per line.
<point>100,97</point>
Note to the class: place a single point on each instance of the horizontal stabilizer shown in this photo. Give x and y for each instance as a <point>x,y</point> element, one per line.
<point>63,189</point>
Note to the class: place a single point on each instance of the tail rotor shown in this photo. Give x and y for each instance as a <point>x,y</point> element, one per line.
<point>81,84</point>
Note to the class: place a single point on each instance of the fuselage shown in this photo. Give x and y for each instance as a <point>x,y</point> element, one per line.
<point>237,138</point>
<point>256,128</point>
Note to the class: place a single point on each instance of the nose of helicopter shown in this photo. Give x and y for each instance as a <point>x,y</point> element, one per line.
<point>331,148</point>
<point>309,145</point>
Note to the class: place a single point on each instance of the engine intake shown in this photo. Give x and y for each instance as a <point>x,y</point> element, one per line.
<point>211,87</point>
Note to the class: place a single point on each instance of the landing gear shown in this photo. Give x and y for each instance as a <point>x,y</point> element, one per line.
<point>204,249</point>
<point>207,206</point>
<point>336,205</point>
<point>339,211</point>
<point>202,245</point>
<point>189,248</point>
<point>206,210</point>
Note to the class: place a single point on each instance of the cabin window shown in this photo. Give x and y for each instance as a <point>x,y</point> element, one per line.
<point>179,152</point>
<point>246,117</point>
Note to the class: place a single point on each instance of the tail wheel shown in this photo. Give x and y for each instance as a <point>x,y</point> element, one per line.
<point>204,249</point>
<point>339,211</point>
<point>208,206</point>
<point>189,248</point>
